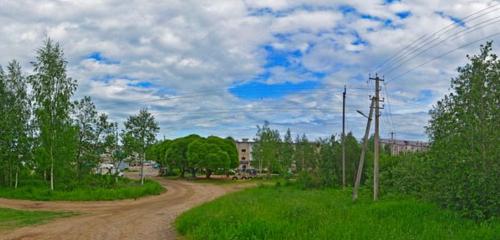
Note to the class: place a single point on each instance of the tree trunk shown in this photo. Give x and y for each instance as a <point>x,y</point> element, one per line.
<point>51,169</point>
<point>142,168</point>
<point>208,173</point>
<point>183,171</point>
<point>193,172</point>
<point>17,174</point>
<point>10,172</point>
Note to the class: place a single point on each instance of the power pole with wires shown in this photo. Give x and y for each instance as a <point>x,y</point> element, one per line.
<point>376,157</point>
<point>343,137</point>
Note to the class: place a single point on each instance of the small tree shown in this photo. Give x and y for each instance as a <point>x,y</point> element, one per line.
<point>266,148</point>
<point>141,130</point>
<point>287,152</point>
<point>85,115</point>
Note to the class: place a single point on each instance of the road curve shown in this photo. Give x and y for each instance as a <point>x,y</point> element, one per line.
<point>145,218</point>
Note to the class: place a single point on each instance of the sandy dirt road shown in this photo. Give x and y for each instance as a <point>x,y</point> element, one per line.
<point>145,218</point>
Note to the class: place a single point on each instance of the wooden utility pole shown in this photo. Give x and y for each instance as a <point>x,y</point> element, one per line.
<point>343,137</point>
<point>363,151</point>
<point>376,156</point>
<point>392,143</point>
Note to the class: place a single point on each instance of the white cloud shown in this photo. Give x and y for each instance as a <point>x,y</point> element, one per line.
<point>193,51</point>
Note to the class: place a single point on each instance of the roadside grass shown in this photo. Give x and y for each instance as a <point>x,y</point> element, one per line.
<point>12,218</point>
<point>124,189</point>
<point>290,213</point>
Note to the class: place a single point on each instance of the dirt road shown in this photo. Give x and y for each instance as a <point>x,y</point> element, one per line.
<point>145,218</point>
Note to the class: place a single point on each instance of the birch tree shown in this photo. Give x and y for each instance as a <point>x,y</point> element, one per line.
<point>19,116</point>
<point>52,90</point>
<point>141,130</point>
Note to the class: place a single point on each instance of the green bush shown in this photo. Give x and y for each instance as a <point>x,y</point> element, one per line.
<point>307,180</point>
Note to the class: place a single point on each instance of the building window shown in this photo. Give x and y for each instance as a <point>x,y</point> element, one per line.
<point>243,150</point>
<point>243,158</point>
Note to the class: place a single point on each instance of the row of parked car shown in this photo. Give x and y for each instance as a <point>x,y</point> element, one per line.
<point>244,173</point>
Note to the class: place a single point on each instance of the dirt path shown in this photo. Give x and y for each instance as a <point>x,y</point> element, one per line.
<point>145,218</point>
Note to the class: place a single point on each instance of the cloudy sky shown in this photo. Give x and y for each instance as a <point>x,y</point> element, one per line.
<point>221,67</point>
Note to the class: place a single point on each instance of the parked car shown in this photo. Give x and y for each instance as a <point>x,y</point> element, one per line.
<point>244,174</point>
<point>108,169</point>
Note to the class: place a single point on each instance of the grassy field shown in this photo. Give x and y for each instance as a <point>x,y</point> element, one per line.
<point>124,190</point>
<point>11,218</point>
<point>291,213</point>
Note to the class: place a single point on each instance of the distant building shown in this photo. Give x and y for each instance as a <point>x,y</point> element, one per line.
<point>397,147</point>
<point>245,152</point>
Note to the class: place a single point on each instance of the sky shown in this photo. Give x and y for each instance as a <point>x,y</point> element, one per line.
<point>222,67</point>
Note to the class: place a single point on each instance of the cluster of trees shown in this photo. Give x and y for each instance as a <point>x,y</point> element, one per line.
<point>45,136</point>
<point>318,163</point>
<point>461,171</point>
<point>193,154</point>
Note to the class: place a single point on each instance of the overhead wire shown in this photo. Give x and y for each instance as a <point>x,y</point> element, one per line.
<point>444,54</point>
<point>451,37</point>
<point>404,51</point>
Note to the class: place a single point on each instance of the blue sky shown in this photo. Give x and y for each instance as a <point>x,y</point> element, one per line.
<point>221,67</point>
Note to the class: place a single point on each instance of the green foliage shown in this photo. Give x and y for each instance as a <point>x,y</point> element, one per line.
<point>85,115</point>
<point>176,154</point>
<point>465,139</point>
<point>266,149</point>
<point>11,218</point>
<point>290,213</point>
<point>15,130</point>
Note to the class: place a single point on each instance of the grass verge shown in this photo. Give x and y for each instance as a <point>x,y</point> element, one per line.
<point>126,189</point>
<point>291,213</point>
<point>11,218</point>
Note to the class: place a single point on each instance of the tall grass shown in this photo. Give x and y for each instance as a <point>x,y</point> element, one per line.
<point>124,189</point>
<point>291,213</point>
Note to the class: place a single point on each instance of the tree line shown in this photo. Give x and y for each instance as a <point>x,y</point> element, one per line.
<point>314,163</point>
<point>48,138</point>
<point>195,154</point>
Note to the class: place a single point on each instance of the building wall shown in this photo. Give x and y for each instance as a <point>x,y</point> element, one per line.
<point>403,146</point>
<point>245,153</point>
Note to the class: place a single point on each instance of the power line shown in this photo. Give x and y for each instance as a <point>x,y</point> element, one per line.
<point>445,54</point>
<point>404,50</point>
<point>389,108</point>
<point>455,35</point>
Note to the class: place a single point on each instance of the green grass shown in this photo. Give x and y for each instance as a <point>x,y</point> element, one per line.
<point>291,213</point>
<point>126,189</point>
<point>11,218</point>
